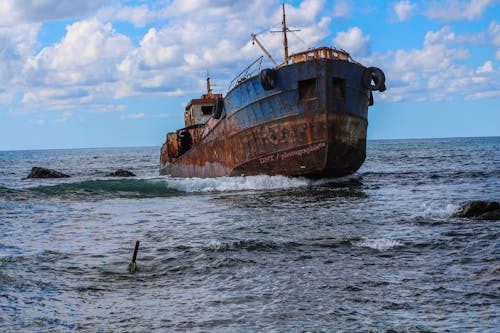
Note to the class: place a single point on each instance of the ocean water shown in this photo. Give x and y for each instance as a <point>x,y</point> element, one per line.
<point>378,251</point>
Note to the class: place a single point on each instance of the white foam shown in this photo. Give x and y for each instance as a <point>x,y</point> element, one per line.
<point>381,244</point>
<point>216,245</point>
<point>223,184</point>
<point>437,210</point>
<point>261,182</point>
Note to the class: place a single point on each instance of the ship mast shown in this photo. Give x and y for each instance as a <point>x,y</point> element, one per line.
<point>284,30</point>
<point>209,89</point>
<point>285,40</point>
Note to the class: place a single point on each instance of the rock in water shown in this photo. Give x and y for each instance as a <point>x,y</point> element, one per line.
<point>37,172</point>
<point>121,173</point>
<point>479,210</point>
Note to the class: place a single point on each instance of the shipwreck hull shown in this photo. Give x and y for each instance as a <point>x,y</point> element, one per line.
<point>313,123</point>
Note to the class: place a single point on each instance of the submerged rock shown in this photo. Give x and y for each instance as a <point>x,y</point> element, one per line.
<point>37,172</point>
<point>479,210</point>
<point>121,173</point>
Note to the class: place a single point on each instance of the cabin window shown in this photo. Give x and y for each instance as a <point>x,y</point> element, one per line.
<point>338,88</point>
<point>307,89</point>
<point>207,110</point>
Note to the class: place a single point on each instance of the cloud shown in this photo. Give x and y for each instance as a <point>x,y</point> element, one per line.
<point>403,10</point>
<point>494,37</point>
<point>93,63</point>
<point>490,37</point>
<point>81,65</point>
<point>486,68</point>
<point>16,44</point>
<point>15,11</point>
<point>443,36</point>
<point>132,116</point>
<point>353,41</point>
<point>138,15</point>
<point>342,8</point>
<point>483,94</point>
<point>174,58</point>
<point>454,10</point>
<point>434,72</point>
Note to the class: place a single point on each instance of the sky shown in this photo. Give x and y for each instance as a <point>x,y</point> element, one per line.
<point>107,73</point>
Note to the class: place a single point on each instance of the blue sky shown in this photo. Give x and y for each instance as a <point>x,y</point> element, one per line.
<point>105,73</point>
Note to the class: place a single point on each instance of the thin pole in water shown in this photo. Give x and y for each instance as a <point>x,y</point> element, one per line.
<point>132,267</point>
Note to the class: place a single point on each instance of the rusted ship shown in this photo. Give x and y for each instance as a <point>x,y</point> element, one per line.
<point>305,117</point>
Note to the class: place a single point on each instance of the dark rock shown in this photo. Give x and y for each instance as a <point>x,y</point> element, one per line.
<point>121,173</point>
<point>37,172</point>
<point>479,210</point>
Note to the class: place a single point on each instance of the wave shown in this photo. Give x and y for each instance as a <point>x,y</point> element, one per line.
<point>94,190</point>
<point>248,245</point>
<point>267,245</point>
<point>97,189</point>
<point>224,184</point>
<point>261,182</point>
<point>380,244</point>
<point>437,210</point>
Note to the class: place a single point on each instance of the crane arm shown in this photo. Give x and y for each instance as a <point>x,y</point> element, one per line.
<point>254,39</point>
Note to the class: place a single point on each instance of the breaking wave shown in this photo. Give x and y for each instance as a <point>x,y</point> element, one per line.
<point>436,210</point>
<point>97,189</point>
<point>223,184</point>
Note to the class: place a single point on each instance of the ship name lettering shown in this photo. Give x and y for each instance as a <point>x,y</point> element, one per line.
<point>267,159</point>
<point>303,151</point>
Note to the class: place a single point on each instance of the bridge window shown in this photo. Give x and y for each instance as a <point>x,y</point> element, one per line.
<point>207,110</point>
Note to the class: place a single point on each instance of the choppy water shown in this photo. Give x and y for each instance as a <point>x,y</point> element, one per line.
<point>377,251</point>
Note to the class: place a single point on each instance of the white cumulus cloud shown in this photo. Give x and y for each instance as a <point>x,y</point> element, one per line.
<point>453,10</point>
<point>487,67</point>
<point>353,41</point>
<point>403,9</point>
<point>81,64</point>
<point>174,58</point>
<point>15,11</point>
<point>138,15</point>
<point>435,71</point>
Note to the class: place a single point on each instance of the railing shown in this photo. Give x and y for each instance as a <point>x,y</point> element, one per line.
<point>321,53</point>
<point>250,71</point>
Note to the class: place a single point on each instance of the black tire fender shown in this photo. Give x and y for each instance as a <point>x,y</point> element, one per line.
<point>218,107</point>
<point>268,79</point>
<point>373,79</point>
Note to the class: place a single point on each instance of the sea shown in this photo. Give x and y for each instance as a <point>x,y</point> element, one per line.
<point>377,251</point>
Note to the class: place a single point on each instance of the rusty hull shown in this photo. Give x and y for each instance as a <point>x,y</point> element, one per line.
<point>312,124</point>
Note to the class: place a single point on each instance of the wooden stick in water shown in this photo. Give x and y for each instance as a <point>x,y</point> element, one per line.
<point>132,267</point>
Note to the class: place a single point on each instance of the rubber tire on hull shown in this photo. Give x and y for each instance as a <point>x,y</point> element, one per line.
<point>268,79</point>
<point>374,79</point>
<point>218,108</point>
